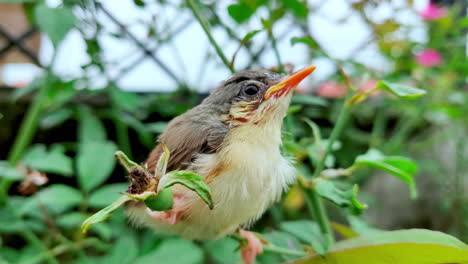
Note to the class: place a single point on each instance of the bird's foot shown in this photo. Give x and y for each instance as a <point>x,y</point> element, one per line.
<point>170,217</point>
<point>251,248</point>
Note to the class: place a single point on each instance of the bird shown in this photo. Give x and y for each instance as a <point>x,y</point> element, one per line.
<point>232,139</point>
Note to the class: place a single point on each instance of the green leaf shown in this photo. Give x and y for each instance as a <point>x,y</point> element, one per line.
<point>173,251</point>
<point>401,90</point>
<point>346,199</point>
<point>244,40</point>
<point>281,240</point>
<point>90,128</point>
<point>161,166</point>
<point>125,100</point>
<point>414,246</point>
<point>57,198</point>
<point>103,214</point>
<point>55,118</point>
<point>55,22</point>
<point>54,161</point>
<point>401,167</point>
<point>307,232</point>
<point>305,40</point>
<point>240,12</point>
<point>161,201</point>
<point>190,180</point>
<point>139,3</point>
<point>126,162</point>
<point>106,194</point>
<point>71,220</point>
<point>95,163</point>
<point>9,172</point>
<point>124,251</point>
<point>299,8</point>
<point>308,100</point>
<point>224,251</point>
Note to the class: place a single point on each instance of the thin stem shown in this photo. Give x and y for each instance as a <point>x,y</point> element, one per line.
<point>125,161</point>
<point>123,137</point>
<point>314,201</point>
<point>28,128</point>
<point>276,51</point>
<point>316,206</point>
<point>342,117</point>
<point>206,28</point>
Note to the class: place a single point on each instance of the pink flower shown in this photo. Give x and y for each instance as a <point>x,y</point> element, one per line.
<point>429,58</point>
<point>433,12</point>
<point>331,89</point>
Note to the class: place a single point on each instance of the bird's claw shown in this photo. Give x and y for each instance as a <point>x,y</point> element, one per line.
<point>251,246</point>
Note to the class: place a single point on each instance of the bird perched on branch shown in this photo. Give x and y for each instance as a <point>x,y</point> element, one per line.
<point>232,139</point>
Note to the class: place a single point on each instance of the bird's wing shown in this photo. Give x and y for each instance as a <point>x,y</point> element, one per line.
<point>185,137</point>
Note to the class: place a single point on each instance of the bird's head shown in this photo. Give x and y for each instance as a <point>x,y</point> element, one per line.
<point>256,97</point>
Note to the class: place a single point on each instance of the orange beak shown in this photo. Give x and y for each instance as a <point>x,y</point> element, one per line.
<point>289,83</point>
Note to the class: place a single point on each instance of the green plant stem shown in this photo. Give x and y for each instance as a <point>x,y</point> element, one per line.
<point>206,28</point>
<point>122,136</point>
<point>378,130</point>
<point>275,49</point>
<point>314,201</point>
<point>25,134</point>
<point>342,118</point>
<point>316,206</point>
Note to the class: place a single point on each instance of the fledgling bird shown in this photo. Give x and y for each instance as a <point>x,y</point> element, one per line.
<point>232,139</point>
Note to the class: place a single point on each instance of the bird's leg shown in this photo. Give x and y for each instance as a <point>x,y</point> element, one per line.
<point>250,247</point>
<point>172,216</point>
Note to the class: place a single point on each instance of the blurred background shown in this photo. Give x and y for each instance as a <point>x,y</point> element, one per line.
<point>80,79</point>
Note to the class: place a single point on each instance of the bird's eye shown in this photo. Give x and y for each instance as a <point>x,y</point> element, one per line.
<point>251,90</point>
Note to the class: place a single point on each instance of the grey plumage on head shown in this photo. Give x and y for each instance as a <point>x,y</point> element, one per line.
<point>229,89</point>
<point>201,129</point>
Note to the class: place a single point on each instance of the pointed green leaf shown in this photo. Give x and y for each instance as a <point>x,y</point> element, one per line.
<point>305,40</point>
<point>307,232</point>
<point>244,40</point>
<point>53,161</point>
<point>90,127</point>
<point>161,167</point>
<point>55,22</point>
<point>190,180</point>
<point>103,214</point>
<point>414,246</point>
<point>401,167</point>
<point>173,251</point>
<point>95,163</point>
<point>127,163</point>
<point>106,194</point>
<point>347,199</point>
<point>401,90</point>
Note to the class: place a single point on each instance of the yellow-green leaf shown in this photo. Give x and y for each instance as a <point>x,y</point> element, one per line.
<point>103,214</point>
<point>190,180</point>
<point>402,167</point>
<point>401,90</point>
<point>414,246</point>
